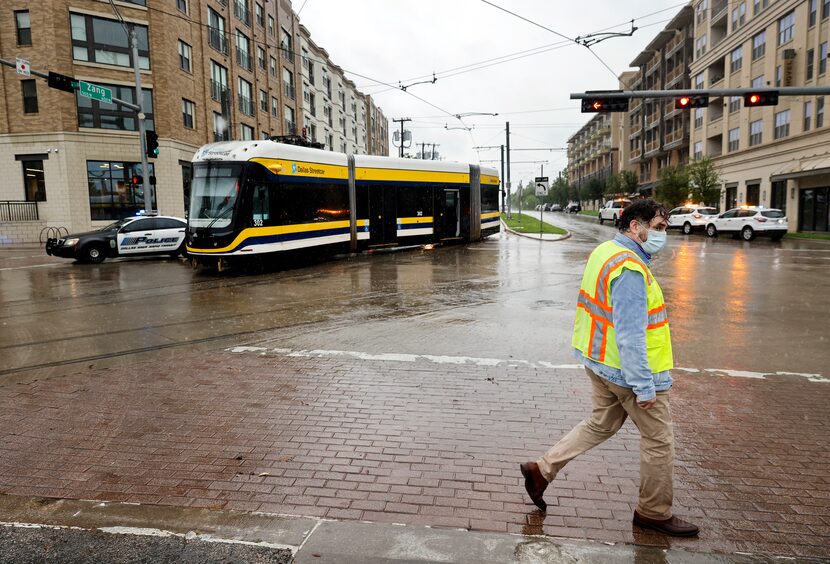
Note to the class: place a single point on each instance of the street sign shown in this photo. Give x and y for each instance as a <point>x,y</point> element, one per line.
<point>95,92</point>
<point>542,185</point>
<point>23,67</point>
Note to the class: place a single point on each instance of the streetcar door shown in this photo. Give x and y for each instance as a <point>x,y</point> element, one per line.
<point>451,215</point>
<point>382,222</point>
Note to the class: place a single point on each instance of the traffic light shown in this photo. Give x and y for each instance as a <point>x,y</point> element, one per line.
<point>761,99</point>
<point>686,102</point>
<point>137,179</point>
<point>600,104</point>
<point>152,143</point>
<point>61,82</point>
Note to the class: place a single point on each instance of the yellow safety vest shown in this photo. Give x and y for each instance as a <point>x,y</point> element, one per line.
<point>594,333</point>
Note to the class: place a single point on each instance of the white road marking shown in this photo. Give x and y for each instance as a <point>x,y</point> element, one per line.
<point>408,357</point>
<point>31,266</point>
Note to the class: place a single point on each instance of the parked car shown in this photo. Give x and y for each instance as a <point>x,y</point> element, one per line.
<point>691,218</point>
<point>555,208</point>
<point>612,210</point>
<point>574,208</point>
<point>133,236</point>
<point>749,221</point>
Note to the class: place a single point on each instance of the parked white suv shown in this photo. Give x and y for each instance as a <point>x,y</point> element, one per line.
<point>749,221</point>
<point>689,218</point>
<point>612,210</point>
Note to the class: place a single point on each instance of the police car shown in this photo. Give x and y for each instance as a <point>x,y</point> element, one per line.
<point>132,236</point>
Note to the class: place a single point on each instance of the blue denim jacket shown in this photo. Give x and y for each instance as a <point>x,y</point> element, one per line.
<point>628,298</point>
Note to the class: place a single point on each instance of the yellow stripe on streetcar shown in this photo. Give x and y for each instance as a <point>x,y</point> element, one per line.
<point>299,168</point>
<point>489,215</point>
<point>389,174</point>
<point>413,220</point>
<point>279,230</point>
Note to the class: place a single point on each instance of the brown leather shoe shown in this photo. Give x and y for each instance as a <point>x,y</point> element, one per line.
<point>535,484</point>
<point>672,526</point>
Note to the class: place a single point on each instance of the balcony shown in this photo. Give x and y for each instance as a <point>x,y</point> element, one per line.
<point>246,105</point>
<point>287,52</point>
<point>676,138</point>
<point>290,128</point>
<point>675,74</point>
<point>678,42</point>
<point>719,10</point>
<point>18,211</point>
<point>636,155</point>
<point>218,40</point>
<point>652,148</point>
<point>635,104</point>
<point>218,91</point>
<point>288,90</point>
<point>243,59</point>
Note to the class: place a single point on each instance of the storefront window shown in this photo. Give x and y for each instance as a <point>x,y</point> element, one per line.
<point>112,192</point>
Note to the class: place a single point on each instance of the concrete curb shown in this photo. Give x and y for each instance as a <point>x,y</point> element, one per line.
<point>536,237</point>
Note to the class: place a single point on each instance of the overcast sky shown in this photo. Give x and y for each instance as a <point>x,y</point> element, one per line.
<point>400,41</point>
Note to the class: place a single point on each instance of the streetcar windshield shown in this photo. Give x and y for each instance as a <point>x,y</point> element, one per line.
<point>213,194</point>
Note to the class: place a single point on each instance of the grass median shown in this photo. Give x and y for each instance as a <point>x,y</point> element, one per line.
<point>592,213</point>
<point>525,224</point>
<point>822,236</point>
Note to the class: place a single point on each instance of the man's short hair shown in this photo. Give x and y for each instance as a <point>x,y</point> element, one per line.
<point>641,210</point>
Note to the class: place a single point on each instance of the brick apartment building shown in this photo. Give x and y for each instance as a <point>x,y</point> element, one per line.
<point>212,70</point>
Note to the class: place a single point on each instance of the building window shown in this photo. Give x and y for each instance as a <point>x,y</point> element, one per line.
<point>819,112</point>
<point>24,27</point>
<point>759,45</point>
<point>274,103</point>
<point>756,129</point>
<point>185,54</point>
<point>786,25</point>
<point>243,50</point>
<point>216,32</point>
<point>290,124</point>
<point>700,10</point>
<point>312,104</point>
<point>241,11</point>
<point>29,88</point>
<point>34,181</point>
<point>273,66</point>
<point>101,115</point>
<point>182,5</point>
<point>822,58</point>
<point>97,40</point>
<point>698,152</point>
<point>700,46</point>
<point>187,114</point>
<point>779,75</point>
<point>220,128</point>
<point>246,102</point>
<point>112,195</point>
<point>739,16</point>
<point>259,14</point>
<point>778,193</point>
<point>736,59</point>
<point>246,132</point>
<point>810,62</point>
<point>758,5</point>
<point>734,139</point>
<point>813,10</point>
<point>757,82</point>
<point>287,46</point>
<point>288,83</point>
<point>698,118</point>
<point>808,115</point>
<point>261,57</point>
<point>699,81</point>
<point>271,25</point>
<point>218,83</point>
<point>825,9</point>
<point>734,104</point>
<point>263,101</point>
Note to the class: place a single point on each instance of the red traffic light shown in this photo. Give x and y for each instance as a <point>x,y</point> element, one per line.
<point>686,102</point>
<point>761,99</point>
<point>137,179</point>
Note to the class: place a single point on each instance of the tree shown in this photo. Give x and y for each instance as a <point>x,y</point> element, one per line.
<point>704,182</point>
<point>673,188</point>
<point>628,182</point>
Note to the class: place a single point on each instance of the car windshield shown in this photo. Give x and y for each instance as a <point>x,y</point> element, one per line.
<point>213,194</point>
<point>707,211</point>
<point>772,214</point>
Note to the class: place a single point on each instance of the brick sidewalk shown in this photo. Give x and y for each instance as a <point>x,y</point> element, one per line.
<point>418,443</point>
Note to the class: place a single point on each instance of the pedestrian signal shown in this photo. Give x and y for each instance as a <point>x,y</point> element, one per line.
<point>138,179</point>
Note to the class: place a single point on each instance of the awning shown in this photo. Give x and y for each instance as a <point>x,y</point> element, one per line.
<point>810,166</point>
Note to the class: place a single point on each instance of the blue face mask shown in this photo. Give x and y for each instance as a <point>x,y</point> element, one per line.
<point>655,243</point>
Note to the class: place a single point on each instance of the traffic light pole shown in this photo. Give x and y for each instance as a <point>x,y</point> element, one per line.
<point>712,92</point>
<point>142,128</point>
<point>509,204</point>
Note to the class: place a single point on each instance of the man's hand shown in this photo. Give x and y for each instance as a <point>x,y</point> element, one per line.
<point>648,404</point>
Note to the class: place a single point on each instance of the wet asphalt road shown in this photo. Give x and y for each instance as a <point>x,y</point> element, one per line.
<point>734,306</point>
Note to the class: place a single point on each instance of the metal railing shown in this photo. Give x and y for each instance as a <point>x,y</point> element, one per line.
<point>11,210</point>
<point>242,13</point>
<point>289,90</point>
<point>218,91</point>
<point>218,40</point>
<point>246,105</point>
<point>243,59</point>
<point>290,128</point>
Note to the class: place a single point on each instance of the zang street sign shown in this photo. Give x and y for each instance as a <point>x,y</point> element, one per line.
<point>95,92</point>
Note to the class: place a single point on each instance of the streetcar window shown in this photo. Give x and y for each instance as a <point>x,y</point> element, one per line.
<point>309,203</point>
<point>213,194</point>
<point>262,209</point>
<point>414,200</point>
<point>489,198</point>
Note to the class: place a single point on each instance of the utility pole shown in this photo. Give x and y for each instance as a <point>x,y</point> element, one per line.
<point>509,205</point>
<point>433,150</point>
<point>142,129</point>
<point>503,208</point>
<point>541,207</point>
<point>401,121</point>
<point>422,151</point>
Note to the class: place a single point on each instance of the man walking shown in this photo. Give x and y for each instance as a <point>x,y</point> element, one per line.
<point>621,335</point>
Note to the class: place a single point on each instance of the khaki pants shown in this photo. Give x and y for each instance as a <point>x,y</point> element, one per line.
<point>611,405</point>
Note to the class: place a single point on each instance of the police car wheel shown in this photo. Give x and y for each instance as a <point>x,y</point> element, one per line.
<point>93,254</point>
